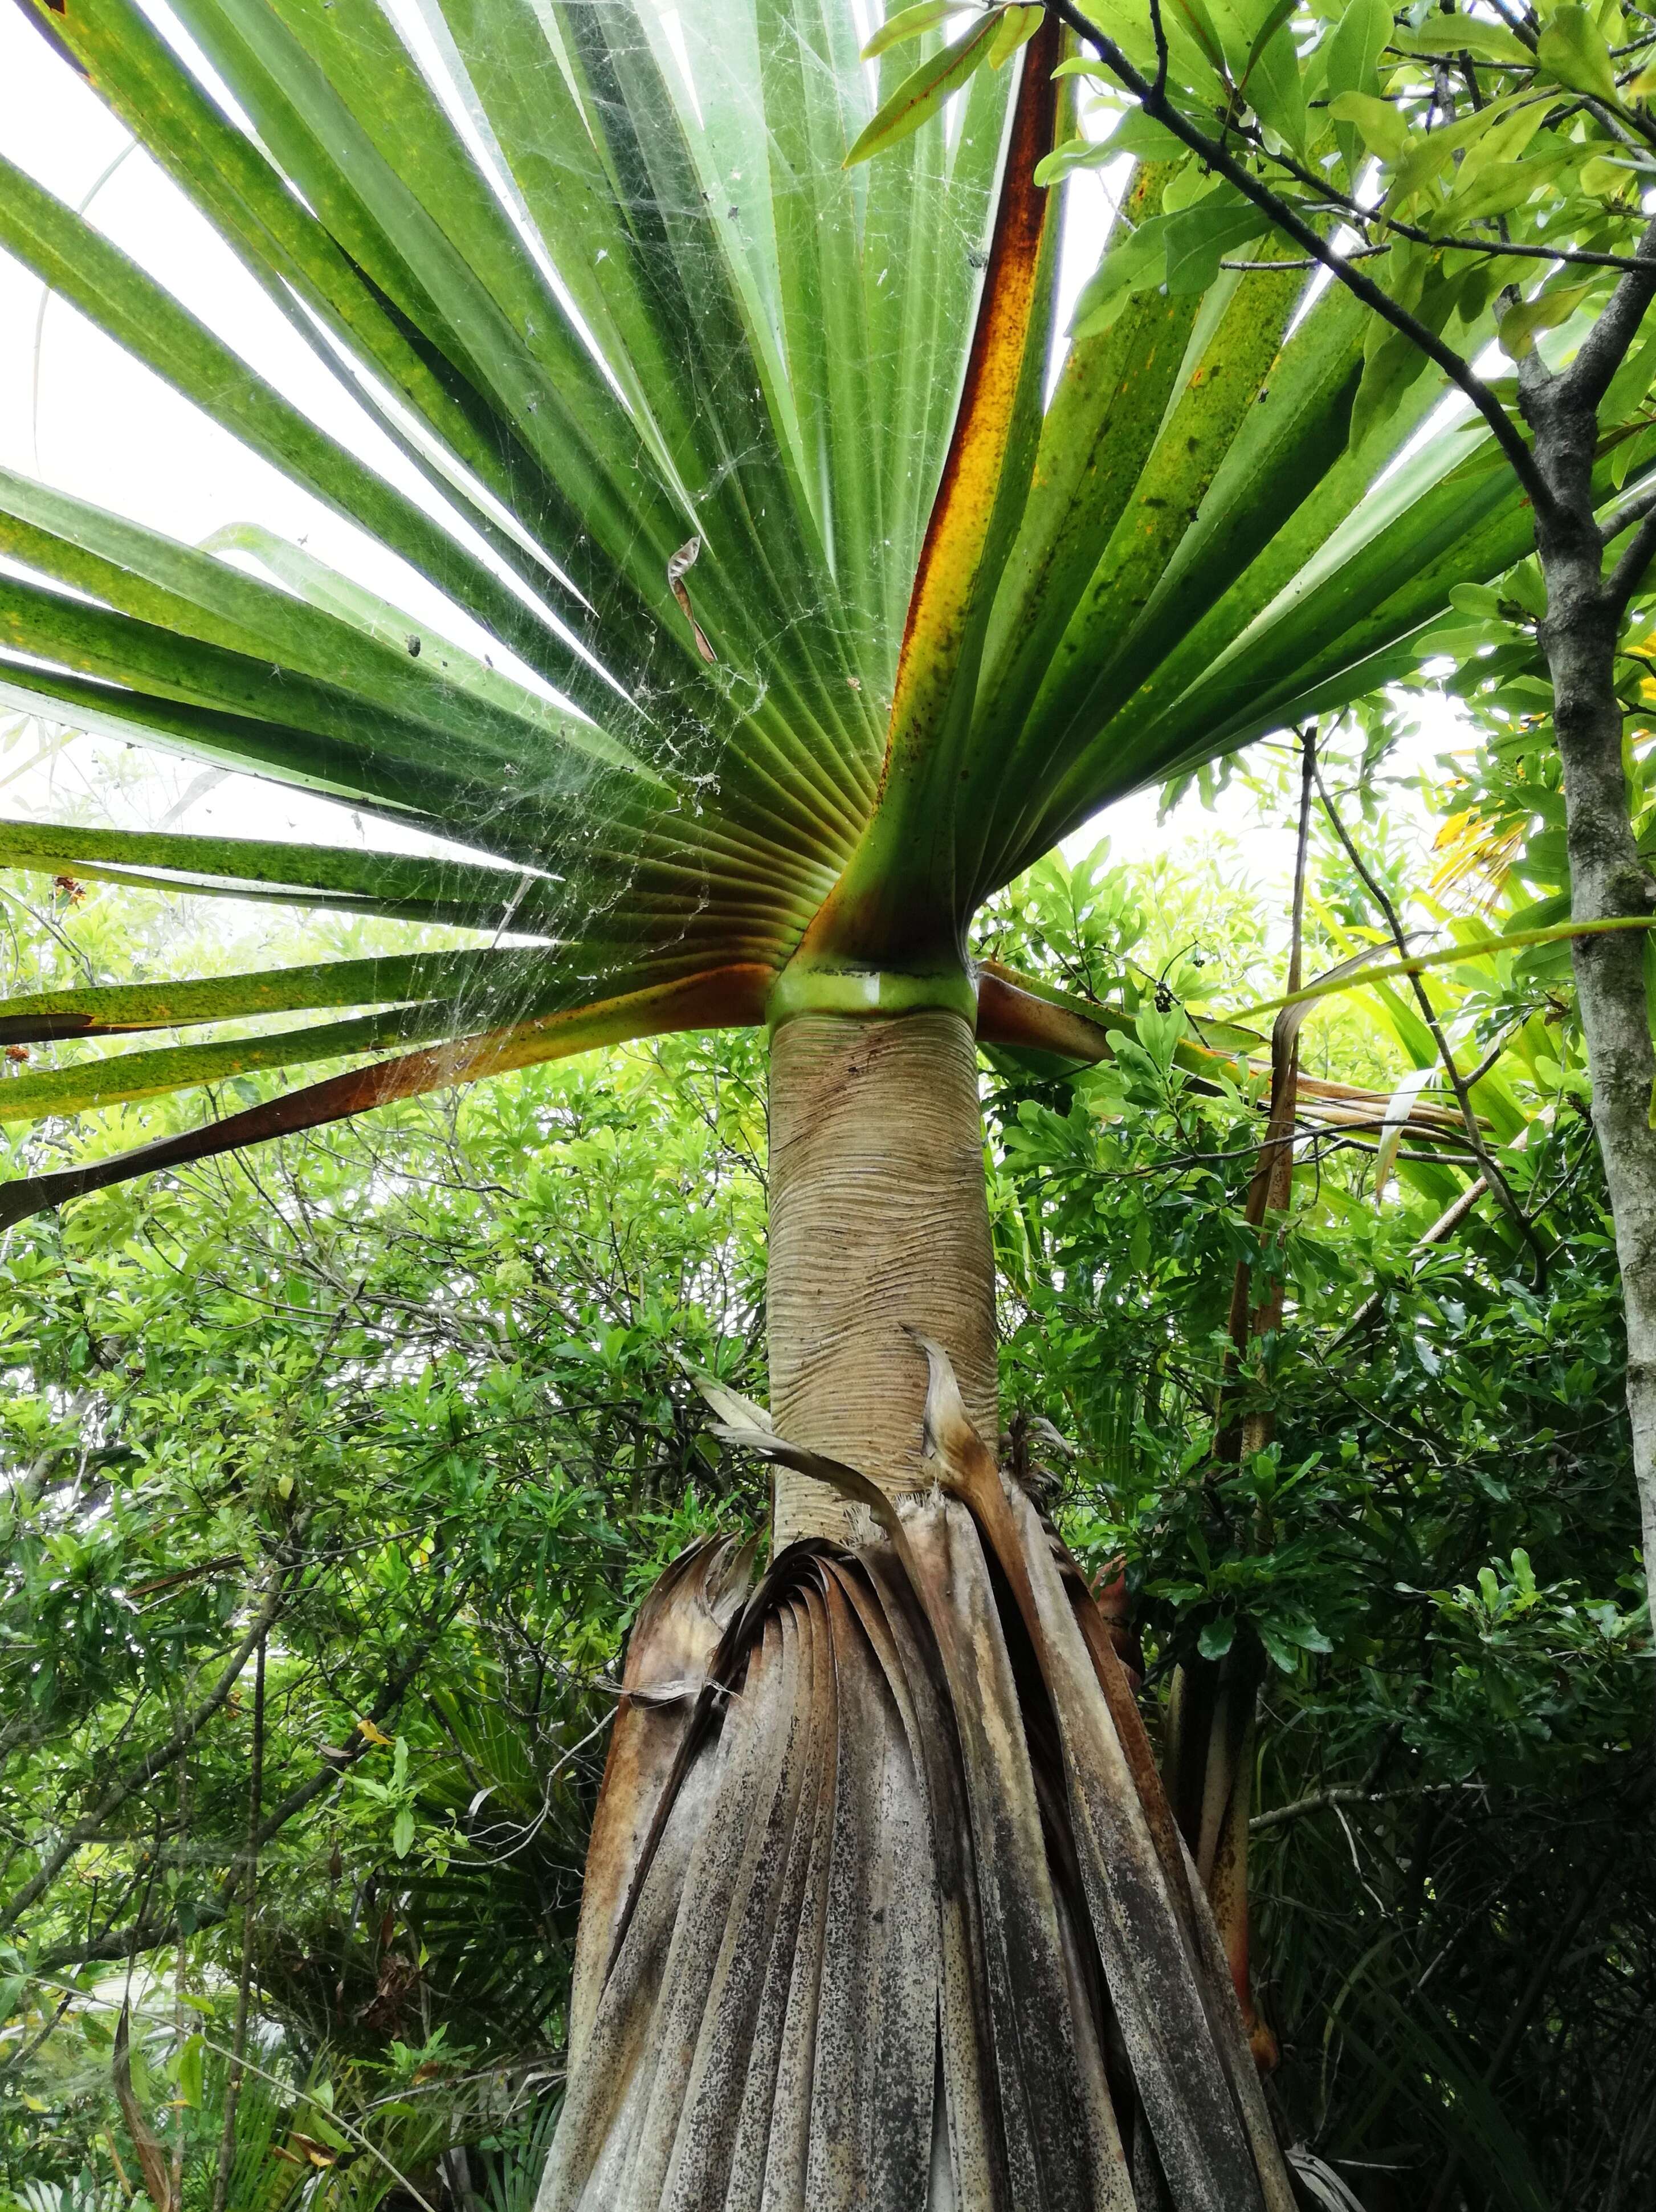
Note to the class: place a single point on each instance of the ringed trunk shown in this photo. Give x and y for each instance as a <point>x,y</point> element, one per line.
<point>885,1908</point>
<point>879,1224</point>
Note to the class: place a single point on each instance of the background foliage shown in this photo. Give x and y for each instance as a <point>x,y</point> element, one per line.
<point>433,1369</point>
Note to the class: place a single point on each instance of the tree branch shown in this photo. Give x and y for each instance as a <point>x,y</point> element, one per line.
<point>1446,1223</point>
<point>325,1776</point>
<point>1349,1793</point>
<point>1625,578</point>
<point>156,1935</point>
<point>1603,350</point>
<point>1281,215</point>
<point>1568,255</point>
<point>1492,1174</point>
<point>1635,510</point>
<point>1514,19</point>
<point>244,1985</point>
<point>129,1942</point>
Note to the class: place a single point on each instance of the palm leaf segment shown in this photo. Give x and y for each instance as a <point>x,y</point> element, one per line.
<point>816,621</point>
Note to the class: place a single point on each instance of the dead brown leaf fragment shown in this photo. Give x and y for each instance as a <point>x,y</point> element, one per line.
<point>891,1911</point>
<point>681,561</point>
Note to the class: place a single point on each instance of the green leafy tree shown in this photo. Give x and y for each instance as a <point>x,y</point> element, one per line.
<point>443,1354</point>
<point>816,623</point>
<point>1437,1548</point>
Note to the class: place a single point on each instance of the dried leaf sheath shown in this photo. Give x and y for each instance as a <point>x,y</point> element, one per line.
<point>906,1932</point>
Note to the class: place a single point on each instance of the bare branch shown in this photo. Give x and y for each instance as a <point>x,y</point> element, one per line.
<point>129,1942</point>
<point>146,1935</point>
<point>1602,352</point>
<point>1635,509</point>
<point>1514,20</point>
<point>1446,1225</point>
<point>1567,254</point>
<point>383,1704</point>
<point>1628,573</point>
<point>1349,1793</point>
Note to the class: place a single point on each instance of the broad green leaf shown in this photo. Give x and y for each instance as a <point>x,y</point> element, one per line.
<point>1572,46</point>
<point>1136,134</point>
<point>1293,605</point>
<point>1106,648</point>
<point>1074,153</point>
<point>1198,238</point>
<point>118,1077</point>
<point>503,976</point>
<point>1428,155</point>
<point>284,247</point>
<point>1354,50</point>
<point>1519,122</point>
<point>394,666</point>
<point>1140,258</point>
<point>1279,13</point>
<point>1606,178</point>
<point>922,93</point>
<point>1359,38</point>
<point>715,998</point>
<point>1385,131</point>
<point>390,877</point>
<point>1465,33</point>
<point>980,503</point>
<point>66,252</point>
<point>910,23</point>
<point>1141,136</point>
<point>1100,427</point>
<point>1631,381</point>
<point>1276,90</point>
<point>1501,186</point>
<point>1195,15</point>
<point>1391,360</point>
<point>393,627</point>
<point>1523,323</point>
<point>1018,25</point>
<point>190,2070</point>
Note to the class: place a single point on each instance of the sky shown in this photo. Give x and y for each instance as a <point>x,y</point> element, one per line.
<point>80,414</point>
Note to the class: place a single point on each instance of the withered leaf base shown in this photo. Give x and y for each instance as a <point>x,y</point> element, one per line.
<point>885,1907</point>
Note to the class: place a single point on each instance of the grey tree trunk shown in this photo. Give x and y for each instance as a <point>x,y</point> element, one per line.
<point>1609,881</point>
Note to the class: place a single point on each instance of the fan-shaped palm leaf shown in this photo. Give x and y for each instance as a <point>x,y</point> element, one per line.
<point>816,621</point>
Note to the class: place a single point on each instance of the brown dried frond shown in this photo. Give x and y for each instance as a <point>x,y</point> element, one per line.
<point>894,1912</point>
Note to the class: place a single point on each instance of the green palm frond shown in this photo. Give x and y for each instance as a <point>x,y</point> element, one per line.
<point>814,615</point>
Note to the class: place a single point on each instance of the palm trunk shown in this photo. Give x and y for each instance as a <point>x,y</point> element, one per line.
<point>879,1224</point>
<point>885,1907</point>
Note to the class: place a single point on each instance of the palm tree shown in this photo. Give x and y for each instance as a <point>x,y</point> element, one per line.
<point>827,591</point>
